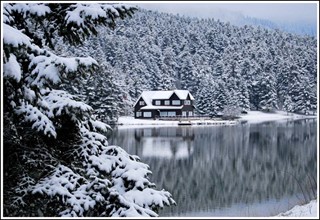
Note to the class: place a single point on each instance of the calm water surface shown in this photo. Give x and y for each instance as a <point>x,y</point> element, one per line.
<point>241,170</point>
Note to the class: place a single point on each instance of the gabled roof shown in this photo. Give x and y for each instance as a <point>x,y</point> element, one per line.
<point>183,94</point>
<point>148,96</point>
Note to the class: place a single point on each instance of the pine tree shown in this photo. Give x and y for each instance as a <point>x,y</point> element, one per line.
<point>244,103</point>
<point>187,74</point>
<point>267,90</point>
<point>58,162</point>
<point>104,95</point>
<point>204,97</point>
<point>220,98</point>
<point>304,98</point>
<point>288,104</point>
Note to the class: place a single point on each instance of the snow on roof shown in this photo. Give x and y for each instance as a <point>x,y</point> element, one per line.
<point>161,107</point>
<point>183,94</point>
<point>148,96</point>
<point>162,94</point>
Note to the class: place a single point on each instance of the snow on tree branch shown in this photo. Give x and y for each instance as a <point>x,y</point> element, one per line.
<point>75,191</point>
<point>80,11</point>
<point>131,185</point>
<point>85,13</point>
<point>73,22</point>
<point>128,186</point>
<point>40,121</point>
<point>15,37</point>
<point>12,68</point>
<point>99,126</point>
<point>60,102</point>
<point>52,68</point>
<point>35,9</point>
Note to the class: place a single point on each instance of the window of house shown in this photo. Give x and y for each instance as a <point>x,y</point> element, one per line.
<point>147,114</point>
<point>190,113</point>
<point>141,103</point>
<point>176,102</point>
<point>171,113</point>
<point>138,114</point>
<point>184,114</point>
<point>167,102</point>
<point>158,102</point>
<point>187,102</point>
<point>162,114</point>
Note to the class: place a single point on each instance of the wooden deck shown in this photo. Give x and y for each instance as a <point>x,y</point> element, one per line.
<point>183,118</point>
<point>184,123</point>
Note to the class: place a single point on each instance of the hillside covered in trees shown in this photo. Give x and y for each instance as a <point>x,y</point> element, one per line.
<point>224,66</point>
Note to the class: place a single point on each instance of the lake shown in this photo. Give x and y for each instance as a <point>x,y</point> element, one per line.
<point>239,170</point>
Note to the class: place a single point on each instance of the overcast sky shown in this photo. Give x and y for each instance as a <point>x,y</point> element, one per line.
<point>291,11</point>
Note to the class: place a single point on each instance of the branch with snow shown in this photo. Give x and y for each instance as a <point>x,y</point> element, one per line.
<point>51,68</point>
<point>40,121</point>
<point>60,102</point>
<point>99,126</point>
<point>12,68</point>
<point>130,185</point>
<point>77,192</point>
<point>110,174</point>
<point>73,22</point>
<point>14,37</point>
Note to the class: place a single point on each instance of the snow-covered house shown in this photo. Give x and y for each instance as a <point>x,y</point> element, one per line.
<point>152,104</point>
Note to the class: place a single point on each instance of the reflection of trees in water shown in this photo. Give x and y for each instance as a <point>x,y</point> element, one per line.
<point>236,164</point>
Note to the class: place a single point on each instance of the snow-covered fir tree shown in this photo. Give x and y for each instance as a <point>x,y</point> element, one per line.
<point>288,104</point>
<point>267,91</point>
<point>221,98</point>
<point>204,104</point>
<point>57,159</point>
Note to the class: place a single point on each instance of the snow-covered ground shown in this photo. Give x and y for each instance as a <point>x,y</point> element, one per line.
<point>258,116</point>
<point>251,117</point>
<point>307,210</point>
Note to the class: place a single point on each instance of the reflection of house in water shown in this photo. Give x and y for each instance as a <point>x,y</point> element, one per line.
<point>171,142</point>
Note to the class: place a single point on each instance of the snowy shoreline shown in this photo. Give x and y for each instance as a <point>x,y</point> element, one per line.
<point>306,210</point>
<point>251,117</point>
<point>258,117</point>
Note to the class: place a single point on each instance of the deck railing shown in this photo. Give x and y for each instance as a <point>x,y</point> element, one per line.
<point>183,118</point>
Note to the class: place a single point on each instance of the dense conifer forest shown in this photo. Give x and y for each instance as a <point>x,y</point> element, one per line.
<point>225,67</point>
